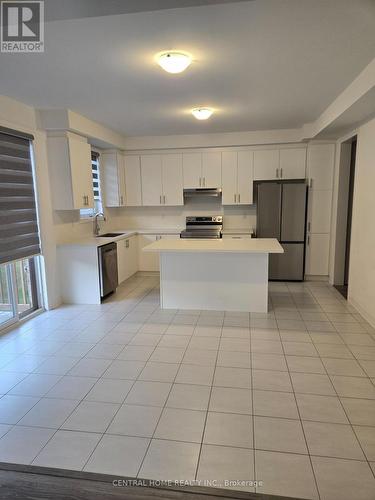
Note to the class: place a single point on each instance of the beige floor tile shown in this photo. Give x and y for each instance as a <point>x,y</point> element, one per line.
<point>148,393</point>
<point>299,349</point>
<point>270,380</point>
<point>170,460</point>
<point>230,400</point>
<point>343,479</point>
<point>229,429</point>
<point>366,437</point>
<point>159,372</point>
<point>350,367</point>
<point>356,387</point>
<point>332,440</point>
<point>286,474</point>
<point>275,404</point>
<point>262,361</point>
<point>305,364</point>
<point>193,374</point>
<point>133,420</point>
<point>232,377</point>
<point>279,434</point>
<point>218,463</point>
<point>309,383</point>
<point>359,411</point>
<point>321,408</point>
<point>235,359</point>
<point>181,425</point>
<point>190,397</point>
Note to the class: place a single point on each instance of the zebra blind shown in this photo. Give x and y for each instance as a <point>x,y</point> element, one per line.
<point>19,232</point>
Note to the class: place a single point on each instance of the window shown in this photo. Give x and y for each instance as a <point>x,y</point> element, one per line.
<point>98,205</point>
<point>19,231</point>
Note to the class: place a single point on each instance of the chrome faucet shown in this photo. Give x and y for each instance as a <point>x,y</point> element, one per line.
<point>96,223</point>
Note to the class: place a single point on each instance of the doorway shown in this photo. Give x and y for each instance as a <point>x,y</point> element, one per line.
<point>344,214</point>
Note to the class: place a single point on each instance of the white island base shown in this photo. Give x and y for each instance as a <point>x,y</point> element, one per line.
<point>226,275</point>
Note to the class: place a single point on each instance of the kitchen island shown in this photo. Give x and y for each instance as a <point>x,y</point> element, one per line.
<point>217,274</point>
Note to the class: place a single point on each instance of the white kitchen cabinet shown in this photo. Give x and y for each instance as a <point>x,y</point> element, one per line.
<point>127,257</point>
<point>151,175</point>
<point>319,211</point>
<point>211,170</point>
<point>69,159</point>
<point>149,261</point>
<point>192,169</point>
<point>202,170</point>
<point>292,163</point>
<point>320,170</point>
<point>113,176</point>
<point>172,180</point>
<point>133,185</point>
<point>162,180</point>
<point>237,178</point>
<point>317,254</point>
<point>266,164</point>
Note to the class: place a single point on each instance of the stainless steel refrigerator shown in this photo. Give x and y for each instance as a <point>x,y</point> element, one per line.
<point>281,214</point>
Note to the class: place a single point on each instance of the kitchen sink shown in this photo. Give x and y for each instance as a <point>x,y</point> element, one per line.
<point>109,235</point>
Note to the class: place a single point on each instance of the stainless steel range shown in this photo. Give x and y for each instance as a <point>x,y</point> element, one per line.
<point>207,227</point>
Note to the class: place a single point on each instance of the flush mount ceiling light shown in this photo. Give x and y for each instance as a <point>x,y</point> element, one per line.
<point>202,113</point>
<point>173,61</point>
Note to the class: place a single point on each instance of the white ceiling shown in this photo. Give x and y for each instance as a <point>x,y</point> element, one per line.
<point>263,64</point>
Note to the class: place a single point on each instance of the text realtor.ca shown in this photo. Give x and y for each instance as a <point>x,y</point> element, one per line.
<point>22,26</point>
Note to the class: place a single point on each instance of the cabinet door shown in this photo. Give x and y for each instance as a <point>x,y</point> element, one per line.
<point>147,261</point>
<point>317,255</point>
<point>172,180</point>
<point>266,164</point>
<point>81,173</point>
<point>151,180</point>
<point>133,255</point>
<point>113,179</point>
<point>192,169</point>
<point>121,261</point>
<point>133,181</point>
<point>211,170</point>
<point>320,165</point>
<point>319,216</point>
<point>293,163</point>
<point>121,180</point>
<point>229,178</point>
<point>245,175</point>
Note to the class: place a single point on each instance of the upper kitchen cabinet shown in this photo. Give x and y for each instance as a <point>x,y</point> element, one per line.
<point>113,175</point>
<point>274,164</point>
<point>162,180</point>
<point>202,170</point>
<point>192,169</point>
<point>320,165</point>
<point>133,183</point>
<point>69,157</point>
<point>266,164</point>
<point>292,163</point>
<point>237,177</point>
<point>172,179</point>
<point>211,170</point>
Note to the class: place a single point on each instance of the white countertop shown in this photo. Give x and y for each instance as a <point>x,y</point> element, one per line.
<point>238,231</point>
<point>251,245</point>
<point>122,234</point>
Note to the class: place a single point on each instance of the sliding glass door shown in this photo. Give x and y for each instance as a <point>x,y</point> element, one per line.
<point>19,295</point>
<point>8,309</point>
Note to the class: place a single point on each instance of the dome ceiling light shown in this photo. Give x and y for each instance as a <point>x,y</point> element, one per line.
<point>173,61</point>
<point>202,113</point>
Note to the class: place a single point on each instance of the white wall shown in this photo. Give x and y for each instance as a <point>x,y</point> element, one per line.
<point>361,291</point>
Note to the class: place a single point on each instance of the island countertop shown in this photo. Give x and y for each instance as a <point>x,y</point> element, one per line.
<point>253,245</point>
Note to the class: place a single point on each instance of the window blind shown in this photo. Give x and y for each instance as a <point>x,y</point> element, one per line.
<point>19,232</point>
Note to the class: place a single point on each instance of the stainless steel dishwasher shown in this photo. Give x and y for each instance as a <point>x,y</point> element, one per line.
<point>108,274</point>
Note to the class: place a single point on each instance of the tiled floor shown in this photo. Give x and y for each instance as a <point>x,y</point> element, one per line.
<point>286,398</point>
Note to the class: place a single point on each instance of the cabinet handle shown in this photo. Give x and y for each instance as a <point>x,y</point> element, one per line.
<point>308,227</point>
<point>311,183</point>
<point>239,198</point>
<point>204,181</point>
<point>277,173</point>
<point>235,196</point>
<point>84,200</point>
<point>164,199</point>
<point>200,181</point>
<point>160,199</point>
<point>308,240</point>
<point>281,172</point>
<point>126,243</point>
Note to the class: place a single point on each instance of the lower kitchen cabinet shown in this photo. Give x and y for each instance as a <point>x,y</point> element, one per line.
<point>127,257</point>
<point>317,255</point>
<point>149,261</point>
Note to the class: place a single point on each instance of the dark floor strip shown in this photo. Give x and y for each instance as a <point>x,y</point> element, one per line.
<point>28,482</point>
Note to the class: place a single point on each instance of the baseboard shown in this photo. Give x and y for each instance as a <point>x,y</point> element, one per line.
<point>368,317</point>
<point>311,277</point>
